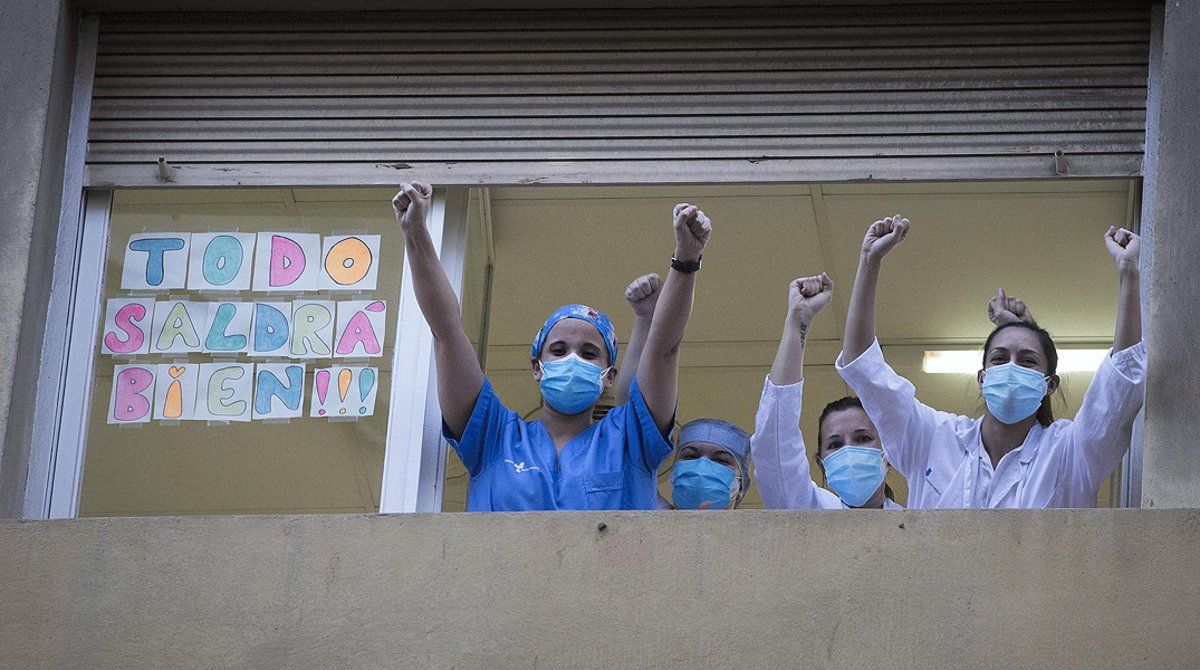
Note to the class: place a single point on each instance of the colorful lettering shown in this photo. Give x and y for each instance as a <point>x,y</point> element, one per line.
<point>156,248</point>
<point>222,260</point>
<point>130,403</point>
<point>127,319</point>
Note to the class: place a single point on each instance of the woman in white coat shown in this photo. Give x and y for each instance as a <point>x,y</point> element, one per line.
<point>1016,454</point>
<point>848,447</point>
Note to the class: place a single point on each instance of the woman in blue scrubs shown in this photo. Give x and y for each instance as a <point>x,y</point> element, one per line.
<point>563,460</point>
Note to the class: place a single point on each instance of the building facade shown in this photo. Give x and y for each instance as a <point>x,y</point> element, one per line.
<point>180,177</point>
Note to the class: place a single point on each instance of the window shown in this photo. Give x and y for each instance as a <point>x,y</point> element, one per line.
<point>1039,240</point>
<point>216,305</point>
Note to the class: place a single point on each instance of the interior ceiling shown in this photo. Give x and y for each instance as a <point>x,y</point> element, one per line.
<point>1041,241</point>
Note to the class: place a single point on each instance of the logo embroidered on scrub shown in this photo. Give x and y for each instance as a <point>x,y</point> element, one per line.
<point>521,467</point>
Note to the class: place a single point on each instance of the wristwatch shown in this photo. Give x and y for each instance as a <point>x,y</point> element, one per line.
<point>686,268</point>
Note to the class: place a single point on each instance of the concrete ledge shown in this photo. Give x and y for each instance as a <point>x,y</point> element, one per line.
<point>1079,589</point>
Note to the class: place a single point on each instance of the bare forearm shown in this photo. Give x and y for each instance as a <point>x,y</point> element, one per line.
<point>659,365</point>
<point>860,319</point>
<point>788,367</point>
<point>1129,309</point>
<point>633,356</point>
<point>435,295</point>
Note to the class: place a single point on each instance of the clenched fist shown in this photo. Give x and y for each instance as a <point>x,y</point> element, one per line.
<point>807,295</point>
<point>883,236</point>
<point>1003,309</point>
<point>1124,246</point>
<point>692,230</point>
<point>411,205</point>
<point>642,294</point>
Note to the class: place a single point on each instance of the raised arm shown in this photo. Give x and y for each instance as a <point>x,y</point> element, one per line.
<point>659,366</point>
<point>780,459</point>
<point>882,237</point>
<point>806,297</point>
<point>1125,249</point>
<point>459,376</point>
<point>642,294</point>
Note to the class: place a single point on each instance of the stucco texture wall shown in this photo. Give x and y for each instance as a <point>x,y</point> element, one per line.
<point>36,45</point>
<point>754,589</point>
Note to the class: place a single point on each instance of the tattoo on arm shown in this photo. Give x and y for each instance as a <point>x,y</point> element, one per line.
<point>803,333</point>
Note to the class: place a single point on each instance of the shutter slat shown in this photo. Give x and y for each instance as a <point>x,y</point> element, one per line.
<point>647,148</point>
<point>996,13</point>
<point>621,84</point>
<point>679,39</point>
<point>716,104</point>
<point>969,90</point>
<point>1131,53</point>
<point>594,127</point>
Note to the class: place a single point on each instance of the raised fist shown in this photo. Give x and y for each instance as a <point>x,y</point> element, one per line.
<point>1124,246</point>
<point>807,295</point>
<point>411,205</point>
<point>642,294</point>
<point>883,236</point>
<point>1003,309</point>
<point>692,230</point>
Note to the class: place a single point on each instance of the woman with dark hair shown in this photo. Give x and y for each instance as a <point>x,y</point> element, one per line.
<point>1016,454</point>
<point>848,448</point>
<point>564,460</point>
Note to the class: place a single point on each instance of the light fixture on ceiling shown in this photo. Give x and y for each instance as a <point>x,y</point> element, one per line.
<point>968,361</point>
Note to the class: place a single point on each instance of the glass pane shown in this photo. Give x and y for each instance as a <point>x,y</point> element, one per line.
<point>303,464</point>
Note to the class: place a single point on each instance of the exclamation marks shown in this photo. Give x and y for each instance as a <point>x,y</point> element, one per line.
<point>344,377</point>
<point>366,380</point>
<point>322,384</point>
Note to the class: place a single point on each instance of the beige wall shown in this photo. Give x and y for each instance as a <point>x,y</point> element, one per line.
<point>752,589</point>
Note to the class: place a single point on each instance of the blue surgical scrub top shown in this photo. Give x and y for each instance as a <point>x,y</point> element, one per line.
<point>515,466</point>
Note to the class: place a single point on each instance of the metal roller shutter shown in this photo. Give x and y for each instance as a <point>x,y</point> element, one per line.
<point>598,96</point>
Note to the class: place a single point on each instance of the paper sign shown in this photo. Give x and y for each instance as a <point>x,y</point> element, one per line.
<point>225,391</point>
<point>177,326</point>
<point>312,328</point>
<point>344,391</point>
<point>127,323</point>
<point>287,262</point>
<point>132,390</point>
<point>220,261</point>
<point>175,389</point>
<point>278,390</point>
<point>350,262</point>
<point>155,261</point>
<point>272,331</point>
<point>360,328</point>
<point>227,328</point>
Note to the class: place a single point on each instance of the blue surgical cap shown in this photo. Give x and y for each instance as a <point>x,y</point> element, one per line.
<point>723,434</point>
<point>589,314</point>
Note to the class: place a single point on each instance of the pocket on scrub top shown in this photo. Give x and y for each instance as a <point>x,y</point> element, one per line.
<point>600,482</point>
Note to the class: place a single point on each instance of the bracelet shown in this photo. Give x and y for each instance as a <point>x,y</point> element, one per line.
<point>686,268</point>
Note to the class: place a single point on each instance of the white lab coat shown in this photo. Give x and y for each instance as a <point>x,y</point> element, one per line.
<point>780,459</point>
<point>942,455</point>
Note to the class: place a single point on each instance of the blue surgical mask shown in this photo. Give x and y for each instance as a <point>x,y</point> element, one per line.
<point>1013,393</point>
<point>571,385</point>
<point>854,473</point>
<point>700,480</point>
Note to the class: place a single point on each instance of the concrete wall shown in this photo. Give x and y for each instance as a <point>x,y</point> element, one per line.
<point>1054,589</point>
<point>37,52</point>
<point>1171,460</point>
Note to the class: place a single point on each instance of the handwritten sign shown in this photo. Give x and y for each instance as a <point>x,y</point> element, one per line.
<point>213,266</point>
